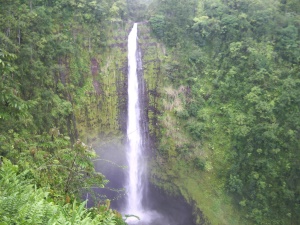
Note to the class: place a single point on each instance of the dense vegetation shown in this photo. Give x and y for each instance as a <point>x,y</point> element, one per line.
<point>46,52</point>
<point>234,67</point>
<point>229,110</point>
<point>23,203</point>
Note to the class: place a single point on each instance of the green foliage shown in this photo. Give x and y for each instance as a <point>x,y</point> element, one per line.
<point>158,26</point>
<point>173,16</point>
<point>46,52</point>
<point>199,163</point>
<point>240,63</point>
<point>136,10</point>
<point>52,162</point>
<point>118,10</point>
<point>12,106</point>
<point>23,203</point>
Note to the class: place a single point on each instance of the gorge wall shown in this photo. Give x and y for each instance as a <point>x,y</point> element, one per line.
<point>101,118</point>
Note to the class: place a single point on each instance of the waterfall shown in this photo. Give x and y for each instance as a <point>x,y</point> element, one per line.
<point>134,134</point>
<point>136,179</point>
<point>137,183</point>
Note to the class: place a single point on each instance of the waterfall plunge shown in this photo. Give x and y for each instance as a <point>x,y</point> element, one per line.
<point>136,180</point>
<point>135,149</point>
<point>171,209</point>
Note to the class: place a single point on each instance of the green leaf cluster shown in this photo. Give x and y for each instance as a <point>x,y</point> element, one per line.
<point>239,61</point>
<point>47,51</point>
<point>21,202</point>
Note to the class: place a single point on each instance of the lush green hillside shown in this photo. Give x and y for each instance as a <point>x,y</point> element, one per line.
<point>57,61</point>
<point>230,119</point>
<point>222,90</point>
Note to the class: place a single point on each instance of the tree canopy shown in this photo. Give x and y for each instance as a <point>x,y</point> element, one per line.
<point>240,60</point>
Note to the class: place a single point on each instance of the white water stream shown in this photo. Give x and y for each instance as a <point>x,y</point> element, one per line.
<point>137,183</point>
<point>142,199</point>
<point>134,151</point>
<point>136,162</point>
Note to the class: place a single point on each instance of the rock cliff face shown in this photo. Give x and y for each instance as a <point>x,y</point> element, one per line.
<point>101,120</point>
<point>152,56</point>
<point>102,108</point>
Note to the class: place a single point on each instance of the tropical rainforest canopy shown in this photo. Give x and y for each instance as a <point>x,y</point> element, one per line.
<point>227,118</point>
